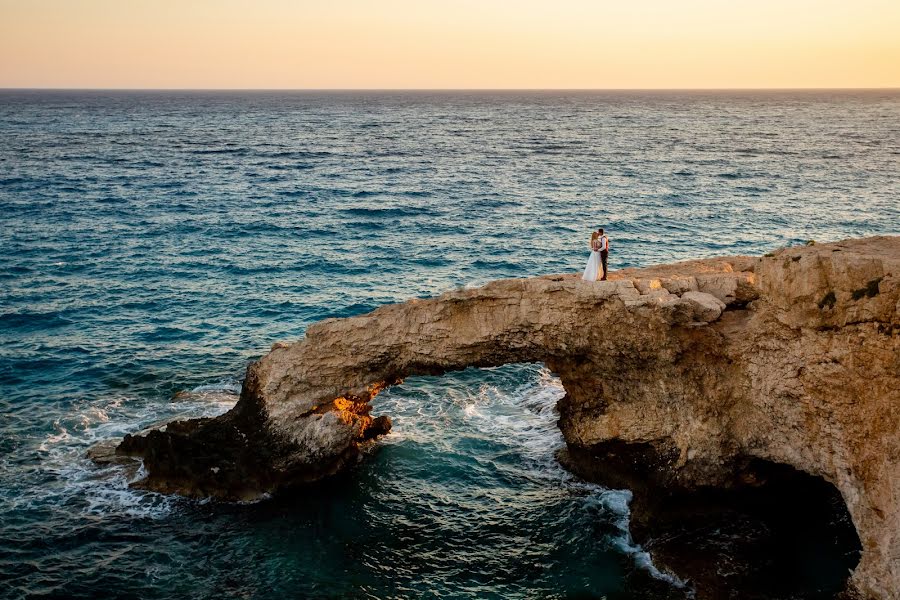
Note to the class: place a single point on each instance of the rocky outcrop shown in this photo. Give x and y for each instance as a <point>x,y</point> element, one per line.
<point>690,371</point>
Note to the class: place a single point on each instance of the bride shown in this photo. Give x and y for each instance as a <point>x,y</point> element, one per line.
<point>592,270</point>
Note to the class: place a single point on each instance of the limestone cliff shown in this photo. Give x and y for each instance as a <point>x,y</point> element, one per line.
<point>692,368</point>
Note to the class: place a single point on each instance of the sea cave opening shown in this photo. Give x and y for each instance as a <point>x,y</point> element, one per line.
<point>784,534</point>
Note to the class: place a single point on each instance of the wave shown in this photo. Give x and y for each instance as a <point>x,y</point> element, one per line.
<point>34,320</point>
<point>295,154</point>
<point>225,386</point>
<point>387,212</point>
<point>500,266</point>
<point>236,151</point>
<point>294,166</point>
<point>753,189</point>
<point>71,480</point>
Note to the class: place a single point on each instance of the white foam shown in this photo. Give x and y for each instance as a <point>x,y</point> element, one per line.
<point>103,490</point>
<point>526,418</point>
<point>617,502</point>
<point>61,435</point>
<point>228,387</point>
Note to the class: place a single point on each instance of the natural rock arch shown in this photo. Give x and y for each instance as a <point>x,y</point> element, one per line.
<point>792,358</point>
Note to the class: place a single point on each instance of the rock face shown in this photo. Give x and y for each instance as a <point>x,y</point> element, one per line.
<point>685,373</point>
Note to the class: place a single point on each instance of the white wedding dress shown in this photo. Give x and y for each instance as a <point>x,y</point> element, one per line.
<point>592,270</point>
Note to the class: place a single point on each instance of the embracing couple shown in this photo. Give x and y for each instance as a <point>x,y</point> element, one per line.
<point>599,254</point>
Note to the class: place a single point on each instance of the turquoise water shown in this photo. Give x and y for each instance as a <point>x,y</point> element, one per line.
<point>158,242</point>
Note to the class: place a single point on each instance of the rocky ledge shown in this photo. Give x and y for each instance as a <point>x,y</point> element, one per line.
<point>683,375</point>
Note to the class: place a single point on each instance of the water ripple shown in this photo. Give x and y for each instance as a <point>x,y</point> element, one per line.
<point>157,242</point>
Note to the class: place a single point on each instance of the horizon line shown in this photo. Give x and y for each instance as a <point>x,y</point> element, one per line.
<point>461,89</point>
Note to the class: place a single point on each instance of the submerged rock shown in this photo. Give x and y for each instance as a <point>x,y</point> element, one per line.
<point>702,366</point>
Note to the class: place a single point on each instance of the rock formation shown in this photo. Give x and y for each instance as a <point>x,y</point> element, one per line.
<point>683,373</point>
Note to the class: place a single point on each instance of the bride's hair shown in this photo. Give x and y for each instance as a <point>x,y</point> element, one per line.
<point>594,235</point>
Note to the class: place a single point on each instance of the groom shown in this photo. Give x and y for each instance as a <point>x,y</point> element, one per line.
<point>604,251</point>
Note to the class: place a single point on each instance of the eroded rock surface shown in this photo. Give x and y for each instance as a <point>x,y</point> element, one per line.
<point>692,369</point>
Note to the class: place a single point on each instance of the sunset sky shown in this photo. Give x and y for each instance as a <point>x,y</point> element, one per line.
<point>449,44</point>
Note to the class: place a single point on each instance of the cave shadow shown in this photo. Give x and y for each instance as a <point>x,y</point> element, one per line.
<point>777,534</point>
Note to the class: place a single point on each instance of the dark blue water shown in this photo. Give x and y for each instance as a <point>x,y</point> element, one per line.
<point>158,242</point>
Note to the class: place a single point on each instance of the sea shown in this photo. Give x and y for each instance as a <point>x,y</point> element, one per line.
<point>157,242</point>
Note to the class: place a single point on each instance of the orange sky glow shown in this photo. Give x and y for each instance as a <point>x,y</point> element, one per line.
<point>525,44</point>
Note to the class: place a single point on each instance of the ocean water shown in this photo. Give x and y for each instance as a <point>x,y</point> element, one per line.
<point>154,242</point>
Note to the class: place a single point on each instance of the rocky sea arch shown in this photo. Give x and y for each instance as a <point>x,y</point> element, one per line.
<point>687,376</point>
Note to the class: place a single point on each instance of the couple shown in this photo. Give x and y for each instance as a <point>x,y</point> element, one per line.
<point>599,254</point>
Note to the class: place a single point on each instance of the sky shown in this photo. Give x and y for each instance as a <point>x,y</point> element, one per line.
<point>451,44</point>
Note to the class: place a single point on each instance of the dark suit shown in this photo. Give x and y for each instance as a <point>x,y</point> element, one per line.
<point>604,254</point>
